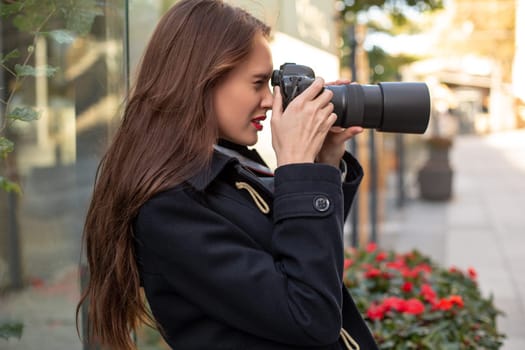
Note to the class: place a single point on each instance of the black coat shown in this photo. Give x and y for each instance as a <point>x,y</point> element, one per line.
<point>219,273</point>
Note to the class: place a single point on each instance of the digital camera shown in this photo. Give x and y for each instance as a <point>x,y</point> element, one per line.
<point>402,107</point>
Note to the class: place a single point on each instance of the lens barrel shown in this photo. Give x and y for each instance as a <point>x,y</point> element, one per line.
<point>390,106</point>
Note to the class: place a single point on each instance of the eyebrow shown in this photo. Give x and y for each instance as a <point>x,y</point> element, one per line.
<point>263,75</point>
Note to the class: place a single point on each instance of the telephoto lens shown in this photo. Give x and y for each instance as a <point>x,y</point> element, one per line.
<point>402,107</point>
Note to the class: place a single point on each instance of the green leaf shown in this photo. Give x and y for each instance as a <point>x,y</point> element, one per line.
<point>62,36</point>
<point>450,346</point>
<point>33,15</point>
<point>29,21</point>
<point>37,15</point>
<point>10,330</point>
<point>13,54</point>
<point>27,70</point>
<point>8,186</point>
<point>6,146</point>
<point>24,70</point>
<point>25,114</point>
<point>10,9</point>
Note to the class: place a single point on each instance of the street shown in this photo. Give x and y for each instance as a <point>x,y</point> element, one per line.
<point>482,226</point>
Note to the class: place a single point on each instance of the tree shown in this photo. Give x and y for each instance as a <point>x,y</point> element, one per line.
<point>60,20</point>
<point>396,9</point>
<point>486,28</point>
<point>355,13</point>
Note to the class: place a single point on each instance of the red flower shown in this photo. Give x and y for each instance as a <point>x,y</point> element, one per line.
<point>472,273</point>
<point>373,273</point>
<point>375,312</point>
<point>381,257</point>
<point>414,307</point>
<point>457,300</point>
<point>394,303</point>
<point>348,263</point>
<point>423,268</point>
<point>428,293</point>
<point>408,273</point>
<point>407,287</point>
<point>397,264</point>
<point>416,271</point>
<point>444,304</point>
<point>447,303</point>
<point>371,247</point>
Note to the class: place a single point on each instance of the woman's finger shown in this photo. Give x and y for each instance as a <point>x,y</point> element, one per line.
<point>324,99</point>
<point>337,129</point>
<point>329,121</point>
<point>339,82</point>
<point>351,132</point>
<point>277,105</point>
<point>312,91</point>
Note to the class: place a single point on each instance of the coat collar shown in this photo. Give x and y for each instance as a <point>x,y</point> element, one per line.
<point>218,162</point>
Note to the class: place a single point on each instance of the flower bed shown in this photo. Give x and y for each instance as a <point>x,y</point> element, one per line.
<point>409,302</point>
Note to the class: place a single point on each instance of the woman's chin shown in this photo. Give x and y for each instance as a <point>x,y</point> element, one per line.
<point>248,141</point>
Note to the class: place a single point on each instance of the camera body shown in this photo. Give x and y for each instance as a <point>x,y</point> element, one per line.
<point>390,107</point>
<point>293,79</point>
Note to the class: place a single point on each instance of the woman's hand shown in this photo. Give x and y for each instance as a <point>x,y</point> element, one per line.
<point>298,133</point>
<point>333,146</point>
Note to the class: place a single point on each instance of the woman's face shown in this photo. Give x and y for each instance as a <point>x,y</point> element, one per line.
<point>243,98</point>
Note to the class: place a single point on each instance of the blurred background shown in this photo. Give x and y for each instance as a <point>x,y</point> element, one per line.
<point>456,193</point>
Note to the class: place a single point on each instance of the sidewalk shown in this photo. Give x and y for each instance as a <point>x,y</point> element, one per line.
<point>482,226</point>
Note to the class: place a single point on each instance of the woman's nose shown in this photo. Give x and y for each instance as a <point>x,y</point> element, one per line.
<point>267,100</point>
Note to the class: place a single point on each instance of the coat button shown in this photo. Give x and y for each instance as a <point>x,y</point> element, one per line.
<point>321,203</point>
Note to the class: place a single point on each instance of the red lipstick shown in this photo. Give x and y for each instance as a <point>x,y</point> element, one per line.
<point>256,122</point>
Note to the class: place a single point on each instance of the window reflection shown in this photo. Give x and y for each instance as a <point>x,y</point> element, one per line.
<point>54,161</point>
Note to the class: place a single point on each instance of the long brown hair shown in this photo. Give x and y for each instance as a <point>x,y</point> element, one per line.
<point>166,135</point>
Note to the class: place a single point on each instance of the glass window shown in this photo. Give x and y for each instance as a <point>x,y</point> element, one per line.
<point>73,74</point>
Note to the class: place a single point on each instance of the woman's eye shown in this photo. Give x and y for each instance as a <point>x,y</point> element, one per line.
<point>259,83</point>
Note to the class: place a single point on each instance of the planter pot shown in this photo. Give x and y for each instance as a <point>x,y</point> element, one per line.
<point>435,177</point>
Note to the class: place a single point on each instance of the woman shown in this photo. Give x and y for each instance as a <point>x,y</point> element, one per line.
<point>228,255</point>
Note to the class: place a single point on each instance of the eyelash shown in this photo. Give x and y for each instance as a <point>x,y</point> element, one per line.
<point>260,83</point>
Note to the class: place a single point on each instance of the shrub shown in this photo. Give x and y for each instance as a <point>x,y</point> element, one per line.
<point>409,302</point>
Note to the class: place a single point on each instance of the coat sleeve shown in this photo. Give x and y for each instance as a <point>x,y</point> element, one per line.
<point>351,183</point>
<point>292,294</point>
